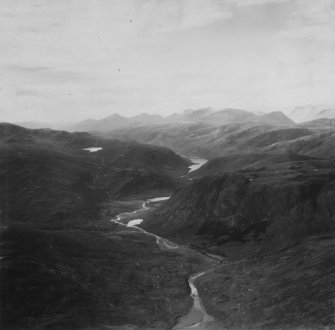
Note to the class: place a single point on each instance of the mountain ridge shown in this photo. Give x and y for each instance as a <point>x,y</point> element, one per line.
<point>205,115</point>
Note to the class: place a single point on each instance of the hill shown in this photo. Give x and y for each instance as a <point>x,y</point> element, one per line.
<point>210,141</point>
<point>64,265</point>
<point>250,161</point>
<point>232,116</point>
<point>51,174</point>
<point>114,121</point>
<point>272,217</point>
<point>323,123</point>
<point>256,200</point>
<point>321,144</point>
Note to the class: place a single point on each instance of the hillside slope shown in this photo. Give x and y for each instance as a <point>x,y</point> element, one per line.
<point>210,141</point>
<point>320,145</point>
<point>246,162</point>
<point>285,202</point>
<point>64,265</point>
<point>51,177</point>
<point>311,112</point>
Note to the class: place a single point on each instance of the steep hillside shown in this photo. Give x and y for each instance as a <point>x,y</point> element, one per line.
<point>64,265</point>
<point>276,135</point>
<point>320,145</point>
<point>274,223</point>
<point>284,203</point>
<point>47,175</point>
<point>290,289</point>
<point>250,161</point>
<point>14,135</point>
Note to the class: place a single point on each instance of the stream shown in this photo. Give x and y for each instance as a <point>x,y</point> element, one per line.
<point>197,318</point>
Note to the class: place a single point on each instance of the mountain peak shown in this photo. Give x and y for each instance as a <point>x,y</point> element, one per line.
<point>311,112</point>
<point>114,116</point>
<point>277,118</point>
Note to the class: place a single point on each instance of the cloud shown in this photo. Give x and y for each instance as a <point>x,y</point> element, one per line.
<point>43,74</point>
<point>33,16</point>
<point>179,15</point>
<point>203,12</point>
<point>23,92</point>
<point>245,3</point>
<point>311,20</point>
<point>88,58</point>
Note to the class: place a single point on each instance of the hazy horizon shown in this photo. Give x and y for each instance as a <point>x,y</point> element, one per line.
<point>64,124</point>
<point>69,60</point>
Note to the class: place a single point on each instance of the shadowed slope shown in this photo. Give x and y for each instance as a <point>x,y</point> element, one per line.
<point>63,264</point>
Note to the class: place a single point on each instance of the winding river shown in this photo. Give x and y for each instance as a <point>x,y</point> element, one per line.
<point>197,318</point>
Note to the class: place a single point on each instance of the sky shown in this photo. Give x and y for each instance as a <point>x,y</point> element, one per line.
<point>67,60</point>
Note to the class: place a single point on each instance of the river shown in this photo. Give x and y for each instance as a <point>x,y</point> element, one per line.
<point>197,318</point>
<point>93,149</point>
<point>197,163</point>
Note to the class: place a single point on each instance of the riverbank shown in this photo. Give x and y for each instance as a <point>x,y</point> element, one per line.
<point>279,272</point>
<point>196,317</point>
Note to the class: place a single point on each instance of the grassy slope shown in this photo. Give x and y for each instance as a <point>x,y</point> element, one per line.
<point>286,201</point>
<point>53,179</point>
<point>290,289</point>
<point>245,162</point>
<point>64,266</point>
<point>80,278</point>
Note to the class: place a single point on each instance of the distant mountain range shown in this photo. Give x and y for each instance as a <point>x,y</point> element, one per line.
<point>311,112</point>
<point>210,141</point>
<point>35,124</point>
<point>301,114</point>
<point>206,115</point>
